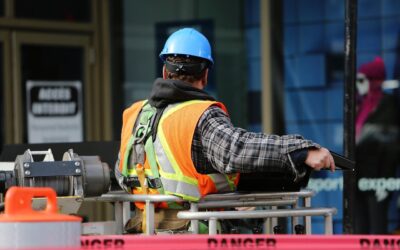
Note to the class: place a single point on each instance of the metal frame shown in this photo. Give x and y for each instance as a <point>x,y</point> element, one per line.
<point>98,126</point>
<point>122,202</point>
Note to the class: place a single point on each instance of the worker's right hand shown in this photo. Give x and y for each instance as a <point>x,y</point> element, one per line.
<point>320,158</point>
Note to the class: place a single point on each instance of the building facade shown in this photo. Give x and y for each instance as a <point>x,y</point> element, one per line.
<point>72,66</point>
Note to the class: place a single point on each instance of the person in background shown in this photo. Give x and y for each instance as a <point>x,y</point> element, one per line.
<point>377,141</point>
<point>190,148</point>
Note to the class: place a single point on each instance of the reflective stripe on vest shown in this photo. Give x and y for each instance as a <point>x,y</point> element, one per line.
<point>222,182</point>
<point>172,147</point>
<point>179,168</point>
<point>182,189</point>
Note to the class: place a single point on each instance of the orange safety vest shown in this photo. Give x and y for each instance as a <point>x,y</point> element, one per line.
<point>172,148</point>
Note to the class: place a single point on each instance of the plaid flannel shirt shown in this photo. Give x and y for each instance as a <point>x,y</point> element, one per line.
<point>218,146</point>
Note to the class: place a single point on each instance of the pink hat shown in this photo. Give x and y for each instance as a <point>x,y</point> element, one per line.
<point>374,70</point>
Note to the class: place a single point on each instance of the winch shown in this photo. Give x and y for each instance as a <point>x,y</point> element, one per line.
<point>74,175</point>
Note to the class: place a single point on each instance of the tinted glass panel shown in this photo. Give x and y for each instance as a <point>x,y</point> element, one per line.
<point>313,88</point>
<point>60,10</point>
<point>222,28</point>
<point>313,74</point>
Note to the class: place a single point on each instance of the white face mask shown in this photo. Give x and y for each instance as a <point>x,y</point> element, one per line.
<point>362,84</point>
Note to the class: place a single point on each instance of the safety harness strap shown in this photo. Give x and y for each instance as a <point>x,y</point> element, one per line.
<point>151,156</point>
<point>142,148</point>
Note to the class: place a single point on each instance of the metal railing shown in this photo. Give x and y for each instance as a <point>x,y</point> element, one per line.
<point>213,217</point>
<point>273,200</point>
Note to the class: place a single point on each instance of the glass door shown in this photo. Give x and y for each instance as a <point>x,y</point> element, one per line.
<point>54,89</point>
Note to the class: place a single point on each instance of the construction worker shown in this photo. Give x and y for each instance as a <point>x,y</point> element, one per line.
<point>181,141</point>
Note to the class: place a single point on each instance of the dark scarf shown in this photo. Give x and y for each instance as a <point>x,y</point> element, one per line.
<point>166,91</point>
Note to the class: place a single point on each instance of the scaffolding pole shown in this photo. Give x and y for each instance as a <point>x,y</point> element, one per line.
<point>349,179</point>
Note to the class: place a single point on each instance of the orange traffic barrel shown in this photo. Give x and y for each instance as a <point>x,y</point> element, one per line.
<point>23,227</point>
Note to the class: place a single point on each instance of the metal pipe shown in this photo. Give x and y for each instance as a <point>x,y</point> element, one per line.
<point>150,230</point>
<point>123,196</point>
<point>126,212</point>
<point>118,216</point>
<point>212,226</point>
<point>307,219</point>
<point>328,224</point>
<point>274,220</point>
<point>241,196</point>
<point>267,226</point>
<point>349,112</point>
<point>194,224</point>
<point>226,204</point>
<point>294,219</point>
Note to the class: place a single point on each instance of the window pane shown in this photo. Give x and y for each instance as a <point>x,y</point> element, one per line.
<point>2,8</point>
<point>60,10</point>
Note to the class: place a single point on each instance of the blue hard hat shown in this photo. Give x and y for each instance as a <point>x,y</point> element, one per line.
<point>187,42</point>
